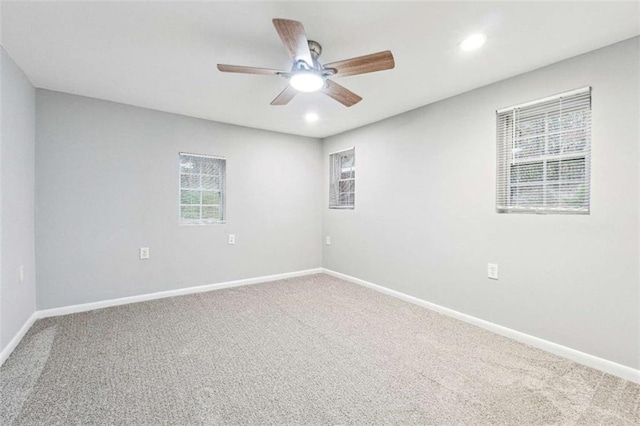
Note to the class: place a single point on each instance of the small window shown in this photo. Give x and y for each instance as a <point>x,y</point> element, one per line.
<point>544,155</point>
<point>342,192</point>
<point>202,183</point>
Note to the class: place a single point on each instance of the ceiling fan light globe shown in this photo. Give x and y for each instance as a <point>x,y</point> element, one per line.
<point>306,81</point>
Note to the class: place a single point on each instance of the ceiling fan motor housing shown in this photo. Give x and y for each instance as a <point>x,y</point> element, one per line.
<point>315,49</point>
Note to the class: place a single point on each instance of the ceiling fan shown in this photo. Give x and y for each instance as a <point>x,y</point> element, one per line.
<point>308,74</point>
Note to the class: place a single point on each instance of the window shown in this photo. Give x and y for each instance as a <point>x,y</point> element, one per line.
<point>342,185</point>
<point>544,155</point>
<point>202,182</point>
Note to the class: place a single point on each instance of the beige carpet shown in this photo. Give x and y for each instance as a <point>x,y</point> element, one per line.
<point>309,350</point>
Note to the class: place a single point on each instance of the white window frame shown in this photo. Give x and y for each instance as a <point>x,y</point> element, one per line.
<point>335,180</point>
<point>222,178</point>
<point>506,158</point>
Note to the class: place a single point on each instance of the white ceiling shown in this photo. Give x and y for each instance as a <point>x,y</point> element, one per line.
<point>163,55</point>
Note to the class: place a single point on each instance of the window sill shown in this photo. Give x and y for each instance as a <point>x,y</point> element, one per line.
<point>222,222</point>
<point>521,210</point>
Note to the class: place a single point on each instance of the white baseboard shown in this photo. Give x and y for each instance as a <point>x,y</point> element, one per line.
<point>6,351</point>
<point>65,310</point>
<point>607,366</point>
<point>592,361</point>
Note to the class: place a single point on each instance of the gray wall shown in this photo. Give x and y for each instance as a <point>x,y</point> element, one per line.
<point>425,221</point>
<point>107,184</point>
<point>17,300</point>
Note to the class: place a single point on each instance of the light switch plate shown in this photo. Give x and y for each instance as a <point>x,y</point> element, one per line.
<point>492,271</point>
<point>232,238</point>
<point>327,240</point>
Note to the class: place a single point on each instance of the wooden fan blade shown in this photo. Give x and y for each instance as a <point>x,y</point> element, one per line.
<point>363,64</point>
<point>341,94</point>
<point>247,70</point>
<point>294,39</point>
<point>285,96</point>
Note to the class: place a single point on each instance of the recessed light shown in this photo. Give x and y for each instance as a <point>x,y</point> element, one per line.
<point>311,117</point>
<point>473,42</point>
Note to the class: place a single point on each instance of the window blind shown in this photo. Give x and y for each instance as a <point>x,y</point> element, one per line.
<point>202,189</point>
<point>544,155</point>
<point>342,184</point>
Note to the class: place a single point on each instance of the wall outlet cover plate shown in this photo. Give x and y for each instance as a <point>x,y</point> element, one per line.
<point>492,271</point>
<point>144,252</point>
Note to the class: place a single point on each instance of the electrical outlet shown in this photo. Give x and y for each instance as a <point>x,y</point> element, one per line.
<point>21,273</point>
<point>327,240</point>
<point>232,238</point>
<point>492,271</point>
<point>144,252</point>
